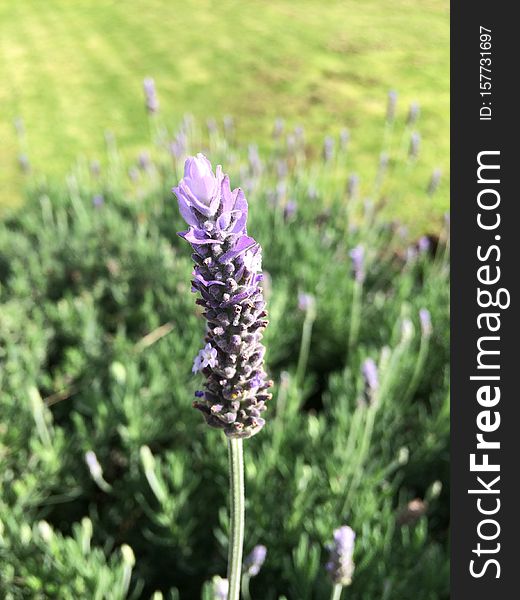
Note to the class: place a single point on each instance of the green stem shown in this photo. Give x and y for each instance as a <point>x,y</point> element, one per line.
<point>305,346</point>
<point>355,315</point>
<point>245,587</point>
<point>418,369</point>
<point>336,591</point>
<point>237,516</point>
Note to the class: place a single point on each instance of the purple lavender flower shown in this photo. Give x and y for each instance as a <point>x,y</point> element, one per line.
<point>150,94</point>
<point>426,321</point>
<point>23,162</point>
<point>328,149</point>
<point>229,125</point>
<point>384,159</point>
<point>227,275</point>
<point>391,106</point>
<point>207,357</point>
<point>415,144</point>
<point>133,174</point>
<point>290,143</point>
<point>340,565</point>
<point>278,128</point>
<point>19,126</point>
<point>305,301</point>
<point>352,185</point>
<point>281,168</point>
<point>344,138</point>
<point>413,114</point>
<point>254,561</point>
<point>95,168</point>
<point>434,182</point>
<point>178,146</point>
<point>144,161</point>
<point>357,255</point>
<point>98,200</point>
<point>280,193</point>
<point>370,374</point>
<point>290,209</point>
<point>255,164</point>
<point>212,126</point>
<point>423,244</point>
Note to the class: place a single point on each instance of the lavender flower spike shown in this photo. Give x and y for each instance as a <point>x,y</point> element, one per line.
<point>340,565</point>
<point>227,275</point>
<point>357,255</point>
<point>370,375</point>
<point>150,94</point>
<point>254,561</point>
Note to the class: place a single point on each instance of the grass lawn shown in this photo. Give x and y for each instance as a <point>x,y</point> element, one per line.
<point>73,69</point>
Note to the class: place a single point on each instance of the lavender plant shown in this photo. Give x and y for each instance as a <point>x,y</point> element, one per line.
<point>97,320</point>
<point>227,275</point>
<point>340,565</point>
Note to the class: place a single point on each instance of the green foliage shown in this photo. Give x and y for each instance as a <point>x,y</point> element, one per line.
<point>103,458</point>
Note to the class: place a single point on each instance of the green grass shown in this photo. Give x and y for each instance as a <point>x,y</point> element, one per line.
<point>73,69</point>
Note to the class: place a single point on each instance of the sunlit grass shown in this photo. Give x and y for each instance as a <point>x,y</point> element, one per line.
<point>72,69</point>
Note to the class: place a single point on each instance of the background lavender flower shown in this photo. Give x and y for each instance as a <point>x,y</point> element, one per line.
<point>391,106</point>
<point>413,114</point>
<point>227,275</point>
<point>423,244</point>
<point>340,565</point>
<point>144,161</point>
<point>254,561</point>
<point>352,185</point>
<point>98,200</point>
<point>426,321</point>
<point>95,168</point>
<point>150,93</point>
<point>344,138</point>
<point>178,145</point>
<point>278,128</point>
<point>434,182</point>
<point>305,301</point>
<point>211,124</point>
<point>415,144</point>
<point>133,174</point>
<point>229,125</point>
<point>255,164</point>
<point>328,149</point>
<point>19,126</point>
<point>357,256</point>
<point>23,162</point>
<point>290,209</point>
<point>299,134</point>
<point>371,377</point>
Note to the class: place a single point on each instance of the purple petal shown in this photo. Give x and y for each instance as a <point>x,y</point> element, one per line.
<point>184,208</point>
<point>192,237</point>
<point>244,243</point>
<point>228,197</point>
<point>209,282</point>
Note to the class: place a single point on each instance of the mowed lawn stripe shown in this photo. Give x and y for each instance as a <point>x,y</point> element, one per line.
<point>74,69</point>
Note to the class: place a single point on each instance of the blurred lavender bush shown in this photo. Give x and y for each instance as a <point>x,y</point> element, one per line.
<point>110,482</point>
